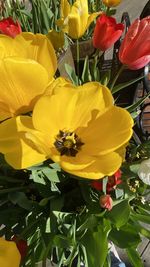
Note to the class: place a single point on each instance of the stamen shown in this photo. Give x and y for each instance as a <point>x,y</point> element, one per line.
<point>68,143</point>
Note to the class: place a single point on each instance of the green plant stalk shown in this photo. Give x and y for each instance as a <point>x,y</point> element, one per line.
<point>78,59</point>
<point>117,76</point>
<point>22,16</point>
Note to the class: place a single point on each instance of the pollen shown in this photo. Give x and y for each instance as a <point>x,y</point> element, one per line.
<point>68,143</point>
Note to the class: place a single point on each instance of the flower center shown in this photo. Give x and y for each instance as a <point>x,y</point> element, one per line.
<point>68,143</point>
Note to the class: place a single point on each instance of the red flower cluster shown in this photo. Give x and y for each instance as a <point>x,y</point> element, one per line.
<point>9,27</point>
<point>113,181</point>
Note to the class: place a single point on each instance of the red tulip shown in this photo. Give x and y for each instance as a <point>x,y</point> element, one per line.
<point>106,202</point>
<point>9,27</point>
<point>135,48</point>
<point>106,32</point>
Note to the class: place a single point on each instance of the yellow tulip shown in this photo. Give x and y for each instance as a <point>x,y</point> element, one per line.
<point>111,3</point>
<point>22,82</point>
<point>9,254</point>
<point>31,46</point>
<point>75,19</point>
<point>76,127</point>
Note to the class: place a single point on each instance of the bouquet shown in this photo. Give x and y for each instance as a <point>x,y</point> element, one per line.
<point>75,165</point>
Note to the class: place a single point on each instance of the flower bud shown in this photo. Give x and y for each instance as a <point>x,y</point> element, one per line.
<point>111,3</point>
<point>106,202</point>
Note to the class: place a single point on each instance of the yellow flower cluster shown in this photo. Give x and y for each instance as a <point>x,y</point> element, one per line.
<point>76,126</point>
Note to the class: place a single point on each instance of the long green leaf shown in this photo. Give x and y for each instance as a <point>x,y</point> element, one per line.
<point>134,257</point>
<point>126,84</point>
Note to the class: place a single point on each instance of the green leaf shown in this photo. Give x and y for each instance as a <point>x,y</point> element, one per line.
<point>71,73</point>
<point>89,223</point>
<point>119,215</point>
<point>125,237</point>
<point>142,230</point>
<point>141,218</point>
<point>96,244</point>
<point>126,84</point>
<point>134,257</point>
<point>134,168</point>
<point>20,199</point>
<point>137,104</point>
<point>86,75</point>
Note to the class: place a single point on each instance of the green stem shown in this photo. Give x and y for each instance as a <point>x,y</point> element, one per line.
<point>117,76</point>
<point>78,59</point>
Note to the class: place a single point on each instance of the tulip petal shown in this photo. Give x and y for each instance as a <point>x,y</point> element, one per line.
<point>19,153</point>
<point>32,46</point>
<point>22,82</point>
<point>102,166</point>
<point>13,47</point>
<point>108,132</point>
<point>64,8</point>
<point>139,63</point>
<point>91,18</point>
<point>74,110</point>
<point>41,50</point>
<point>80,161</point>
<point>9,254</point>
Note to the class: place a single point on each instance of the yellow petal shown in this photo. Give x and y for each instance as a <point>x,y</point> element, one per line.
<point>41,50</point>
<point>102,166</point>
<point>9,254</point>
<point>13,46</point>
<point>54,113</point>
<point>93,100</point>
<point>22,81</point>
<point>18,151</point>
<point>77,19</point>
<point>64,8</point>
<point>55,84</point>
<point>56,38</point>
<point>70,107</point>
<point>80,161</point>
<point>91,18</point>
<point>108,132</point>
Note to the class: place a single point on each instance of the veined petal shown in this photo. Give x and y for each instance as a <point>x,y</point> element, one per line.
<point>22,82</point>
<point>102,166</point>
<point>51,115</point>
<point>108,132</point>
<point>41,50</point>
<point>13,46</point>
<point>76,108</point>
<point>19,153</point>
<point>75,29</point>
<point>92,100</point>
<point>64,8</point>
<point>80,161</point>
